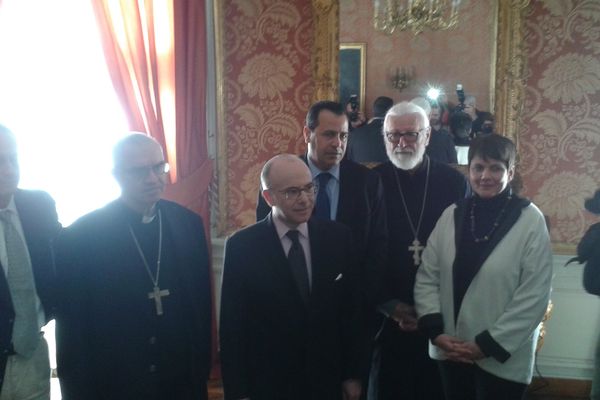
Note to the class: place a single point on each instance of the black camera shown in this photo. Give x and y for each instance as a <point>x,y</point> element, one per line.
<point>353,101</point>
<point>460,93</point>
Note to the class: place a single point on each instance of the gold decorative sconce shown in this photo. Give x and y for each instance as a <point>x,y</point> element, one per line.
<point>403,77</point>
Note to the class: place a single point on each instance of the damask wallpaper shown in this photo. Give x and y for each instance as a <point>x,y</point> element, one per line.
<point>461,55</point>
<point>560,138</point>
<point>267,91</point>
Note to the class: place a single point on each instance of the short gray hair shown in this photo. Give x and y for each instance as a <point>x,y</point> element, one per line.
<point>404,108</point>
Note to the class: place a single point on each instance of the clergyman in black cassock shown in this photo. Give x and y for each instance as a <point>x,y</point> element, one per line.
<point>423,188</point>
<point>134,320</point>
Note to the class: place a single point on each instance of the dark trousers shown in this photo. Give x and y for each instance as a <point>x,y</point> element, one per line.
<point>469,382</point>
<point>402,368</point>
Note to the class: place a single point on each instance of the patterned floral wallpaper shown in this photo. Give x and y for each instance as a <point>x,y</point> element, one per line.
<point>268,84</point>
<point>267,89</point>
<point>560,138</point>
<point>461,55</point>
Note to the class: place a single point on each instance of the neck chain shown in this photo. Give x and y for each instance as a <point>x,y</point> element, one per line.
<point>156,293</point>
<point>488,235</point>
<point>416,247</point>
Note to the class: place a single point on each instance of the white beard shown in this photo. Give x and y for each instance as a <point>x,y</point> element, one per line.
<point>405,161</point>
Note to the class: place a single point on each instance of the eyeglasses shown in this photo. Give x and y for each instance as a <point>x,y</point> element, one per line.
<point>410,137</point>
<point>294,193</point>
<point>140,173</point>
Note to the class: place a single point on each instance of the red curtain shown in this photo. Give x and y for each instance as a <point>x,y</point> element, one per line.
<point>156,55</point>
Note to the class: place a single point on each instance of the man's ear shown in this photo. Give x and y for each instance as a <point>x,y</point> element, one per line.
<point>306,133</point>
<point>267,196</point>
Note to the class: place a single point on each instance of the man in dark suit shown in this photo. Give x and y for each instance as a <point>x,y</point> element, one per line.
<point>291,321</point>
<point>349,193</point>
<point>365,144</point>
<point>29,224</point>
<point>135,318</point>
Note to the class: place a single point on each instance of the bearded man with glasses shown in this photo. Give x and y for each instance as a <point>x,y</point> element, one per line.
<point>417,190</point>
<point>291,324</point>
<point>135,317</point>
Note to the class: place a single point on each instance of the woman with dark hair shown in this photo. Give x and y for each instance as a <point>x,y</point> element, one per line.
<point>484,284</point>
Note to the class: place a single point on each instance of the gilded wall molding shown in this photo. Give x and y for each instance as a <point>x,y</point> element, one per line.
<point>511,62</point>
<point>218,195</point>
<point>325,49</point>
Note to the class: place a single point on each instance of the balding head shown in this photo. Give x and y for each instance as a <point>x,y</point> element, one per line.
<point>288,189</point>
<point>140,170</point>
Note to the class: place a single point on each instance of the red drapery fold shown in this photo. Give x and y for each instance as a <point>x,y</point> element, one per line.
<point>156,55</point>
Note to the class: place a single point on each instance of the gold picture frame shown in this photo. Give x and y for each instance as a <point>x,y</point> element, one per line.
<point>352,72</point>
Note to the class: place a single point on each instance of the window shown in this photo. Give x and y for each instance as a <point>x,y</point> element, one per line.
<point>57,97</point>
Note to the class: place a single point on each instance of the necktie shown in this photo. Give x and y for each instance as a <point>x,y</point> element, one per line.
<point>298,265</point>
<point>323,207</point>
<point>25,335</point>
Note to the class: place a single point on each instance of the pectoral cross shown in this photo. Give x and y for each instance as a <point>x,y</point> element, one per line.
<point>156,294</point>
<point>416,248</point>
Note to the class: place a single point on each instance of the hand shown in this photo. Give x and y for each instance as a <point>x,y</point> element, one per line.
<point>351,389</point>
<point>453,348</point>
<point>474,350</point>
<point>406,317</point>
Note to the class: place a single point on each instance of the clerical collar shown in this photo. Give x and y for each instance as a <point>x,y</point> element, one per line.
<point>314,170</point>
<point>137,218</point>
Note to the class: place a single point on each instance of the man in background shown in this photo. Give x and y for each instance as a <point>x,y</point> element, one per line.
<point>348,192</point>
<point>417,191</point>
<point>292,324</point>
<point>27,283</point>
<point>441,146</point>
<point>134,320</point>
<point>365,144</point>
<point>483,121</point>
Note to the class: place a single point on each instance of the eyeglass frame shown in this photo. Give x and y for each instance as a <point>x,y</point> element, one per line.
<point>407,136</point>
<point>294,192</point>
<point>160,169</point>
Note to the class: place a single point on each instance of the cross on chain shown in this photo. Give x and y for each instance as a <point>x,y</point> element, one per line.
<point>416,248</point>
<point>156,294</point>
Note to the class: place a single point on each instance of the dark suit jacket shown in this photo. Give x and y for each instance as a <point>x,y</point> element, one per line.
<point>366,145</point>
<point>102,337</point>
<point>273,345</point>
<point>361,207</point>
<point>37,213</point>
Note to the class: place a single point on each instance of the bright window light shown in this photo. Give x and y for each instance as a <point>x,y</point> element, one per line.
<point>57,97</point>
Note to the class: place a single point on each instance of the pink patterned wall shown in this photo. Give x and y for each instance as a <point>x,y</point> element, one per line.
<point>560,138</point>
<point>445,58</point>
<point>267,90</point>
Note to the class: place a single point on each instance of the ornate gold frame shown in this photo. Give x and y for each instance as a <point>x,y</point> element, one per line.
<point>511,61</point>
<point>509,92</point>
